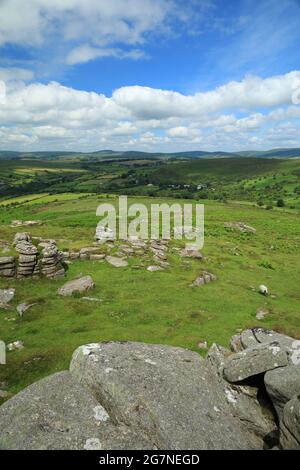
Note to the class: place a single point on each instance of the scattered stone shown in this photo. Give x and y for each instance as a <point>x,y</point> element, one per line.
<point>97,257</point>
<point>254,361</point>
<point>240,226</point>
<point>191,253</point>
<point>6,295</point>
<point>22,308</point>
<point>79,286</point>
<point>104,234</point>
<point>117,262</point>
<point>154,268</point>
<point>15,345</point>
<point>205,278</point>
<point>261,313</point>
<point>202,345</point>
<point>92,299</point>
<point>282,384</point>
<point>263,290</point>
<point>25,223</point>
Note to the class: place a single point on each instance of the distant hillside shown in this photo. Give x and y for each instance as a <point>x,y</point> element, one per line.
<point>109,155</point>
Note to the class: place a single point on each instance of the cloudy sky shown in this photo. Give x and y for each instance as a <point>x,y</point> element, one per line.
<point>154,75</point>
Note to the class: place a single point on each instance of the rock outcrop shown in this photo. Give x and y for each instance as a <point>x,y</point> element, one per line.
<point>126,395</point>
<point>7,266</point>
<point>51,262</point>
<point>31,262</point>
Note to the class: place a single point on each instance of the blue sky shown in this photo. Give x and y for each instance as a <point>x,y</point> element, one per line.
<point>159,75</point>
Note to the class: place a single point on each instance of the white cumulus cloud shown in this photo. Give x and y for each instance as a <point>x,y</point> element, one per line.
<point>237,115</point>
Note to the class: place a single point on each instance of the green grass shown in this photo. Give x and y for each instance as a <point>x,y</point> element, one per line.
<point>157,307</point>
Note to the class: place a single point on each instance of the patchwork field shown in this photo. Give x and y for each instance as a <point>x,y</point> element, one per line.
<point>154,307</point>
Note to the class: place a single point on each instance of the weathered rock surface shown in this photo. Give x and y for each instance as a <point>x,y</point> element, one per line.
<point>22,308</point>
<point>246,401</point>
<point>290,425</point>
<point>15,345</point>
<point>59,413</point>
<point>21,237</point>
<point>153,268</point>
<point>7,266</point>
<point>97,257</point>
<point>79,286</point>
<point>169,394</point>
<point>191,253</point>
<point>282,384</point>
<point>124,395</point>
<point>26,248</point>
<point>204,278</point>
<point>117,262</point>
<point>104,234</point>
<point>255,360</point>
<point>255,336</point>
<point>240,226</point>
<point>51,262</point>
<point>25,223</point>
<point>6,295</point>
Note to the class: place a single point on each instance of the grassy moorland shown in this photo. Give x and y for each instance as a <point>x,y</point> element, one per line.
<point>155,307</point>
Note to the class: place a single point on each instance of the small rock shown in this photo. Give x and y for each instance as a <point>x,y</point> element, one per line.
<point>191,253</point>
<point>6,295</point>
<point>154,268</point>
<point>97,257</point>
<point>205,278</point>
<point>261,313</point>
<point>79,286</point>
<point>117,262</point>
<point>22,308</point>
<point>15,345</point>
<point>240,226</point>
<point>92,299</point>
<point>202,345</point>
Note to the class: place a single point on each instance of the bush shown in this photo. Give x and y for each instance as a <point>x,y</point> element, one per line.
<point>280,203</point>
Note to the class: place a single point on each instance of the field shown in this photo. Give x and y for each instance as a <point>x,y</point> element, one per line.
<point>265,181</point>
<point>155,307</point>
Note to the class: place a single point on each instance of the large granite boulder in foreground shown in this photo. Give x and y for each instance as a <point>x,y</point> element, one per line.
<point>58,413</point>
<point>125,395</point>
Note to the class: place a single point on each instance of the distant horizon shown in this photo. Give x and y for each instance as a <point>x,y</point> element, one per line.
<point>153,152</point>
